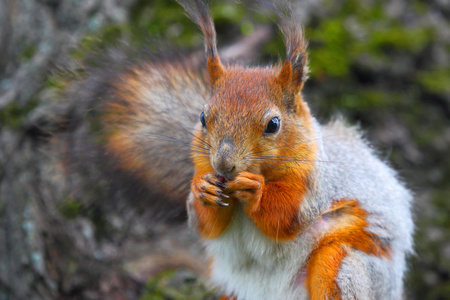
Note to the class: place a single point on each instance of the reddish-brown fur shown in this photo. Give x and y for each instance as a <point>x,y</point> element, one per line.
<point>273,206</point>
<point>348,233</point>
<point>119,138</point>
<point>215,69</point>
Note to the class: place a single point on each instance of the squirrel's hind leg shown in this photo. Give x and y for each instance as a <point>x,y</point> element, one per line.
<point>348,258</point>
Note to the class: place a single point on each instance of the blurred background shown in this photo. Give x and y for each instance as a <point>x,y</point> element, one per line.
<point>68,230</point>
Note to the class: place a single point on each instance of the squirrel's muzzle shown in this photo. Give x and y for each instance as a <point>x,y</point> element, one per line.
<point>224,160</point>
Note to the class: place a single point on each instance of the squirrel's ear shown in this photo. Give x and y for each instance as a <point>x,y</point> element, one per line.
<point>293,75</point>
<point>294,71</point>
<point>198,11</point>
<point>215,68</point>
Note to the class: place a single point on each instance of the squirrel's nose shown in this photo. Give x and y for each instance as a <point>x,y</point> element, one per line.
<point>225,169</point>
<point>224,159</point>
<point>230,170</point>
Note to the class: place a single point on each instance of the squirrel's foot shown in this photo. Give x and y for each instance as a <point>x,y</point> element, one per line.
<point>247,188</point>
<point>208,189</point>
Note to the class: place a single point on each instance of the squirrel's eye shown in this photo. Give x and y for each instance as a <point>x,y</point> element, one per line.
<point>202,119</point>
<point>273,125</point>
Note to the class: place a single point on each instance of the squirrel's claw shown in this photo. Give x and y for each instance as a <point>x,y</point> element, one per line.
<point>222,204</point>
<point>209,190</point>
<point>223,195</point>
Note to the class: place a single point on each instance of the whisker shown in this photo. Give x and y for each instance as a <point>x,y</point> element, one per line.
<point>171,138</point>
<point>167,138</point>
<point>300,142</point>
<point>278,167</point>
<point>192,134</point>
<point>298,159</point>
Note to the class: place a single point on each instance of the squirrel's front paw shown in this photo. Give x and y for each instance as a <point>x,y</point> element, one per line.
<point>247,188</point>
<point>208,189</point>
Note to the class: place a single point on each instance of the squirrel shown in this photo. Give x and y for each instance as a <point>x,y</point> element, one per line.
<point>287,208</point>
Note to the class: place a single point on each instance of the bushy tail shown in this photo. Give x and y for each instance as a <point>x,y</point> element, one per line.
<point>128,132</point>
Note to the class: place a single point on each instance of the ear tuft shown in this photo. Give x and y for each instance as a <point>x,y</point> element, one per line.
<point>296,47</point>
<point>198,11</point>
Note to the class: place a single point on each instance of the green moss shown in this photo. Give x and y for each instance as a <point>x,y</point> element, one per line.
<point>355,30</point>
<point>13,115</point>
<point>163,18</point>
<point>227,11</point>
<point>60,80</point>
<point>397,37</point>
<point>28,52</point>
<point>71,208</point>
<point>101,224</point>
<point>440,200</point>
<point>107,36</point>
<point>274,49</point>
<point>431,260</point>
<point>166,286</point>
<point>420,7</point>
<point>332,53</point>
<point>440,291</point>
<point>247,28</point>
<point>435,81</point>
<point>366,99</point>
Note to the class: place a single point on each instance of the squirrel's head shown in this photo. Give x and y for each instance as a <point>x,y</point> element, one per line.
<point>256,119</point>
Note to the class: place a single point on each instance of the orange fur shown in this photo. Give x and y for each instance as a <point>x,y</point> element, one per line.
<point>322,270</point>
<point>348,233</point>
<point>213,220</point>
<point>120,127</point>
<point>215,69</point>
<point>274,206</point>
<point>285,76</point>
<point>278,215</point>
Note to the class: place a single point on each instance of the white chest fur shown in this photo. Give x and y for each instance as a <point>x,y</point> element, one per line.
<point>249,265</point>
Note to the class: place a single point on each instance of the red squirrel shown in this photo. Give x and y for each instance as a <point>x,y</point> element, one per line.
<point>287,208</point>
<point>278,221</point>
